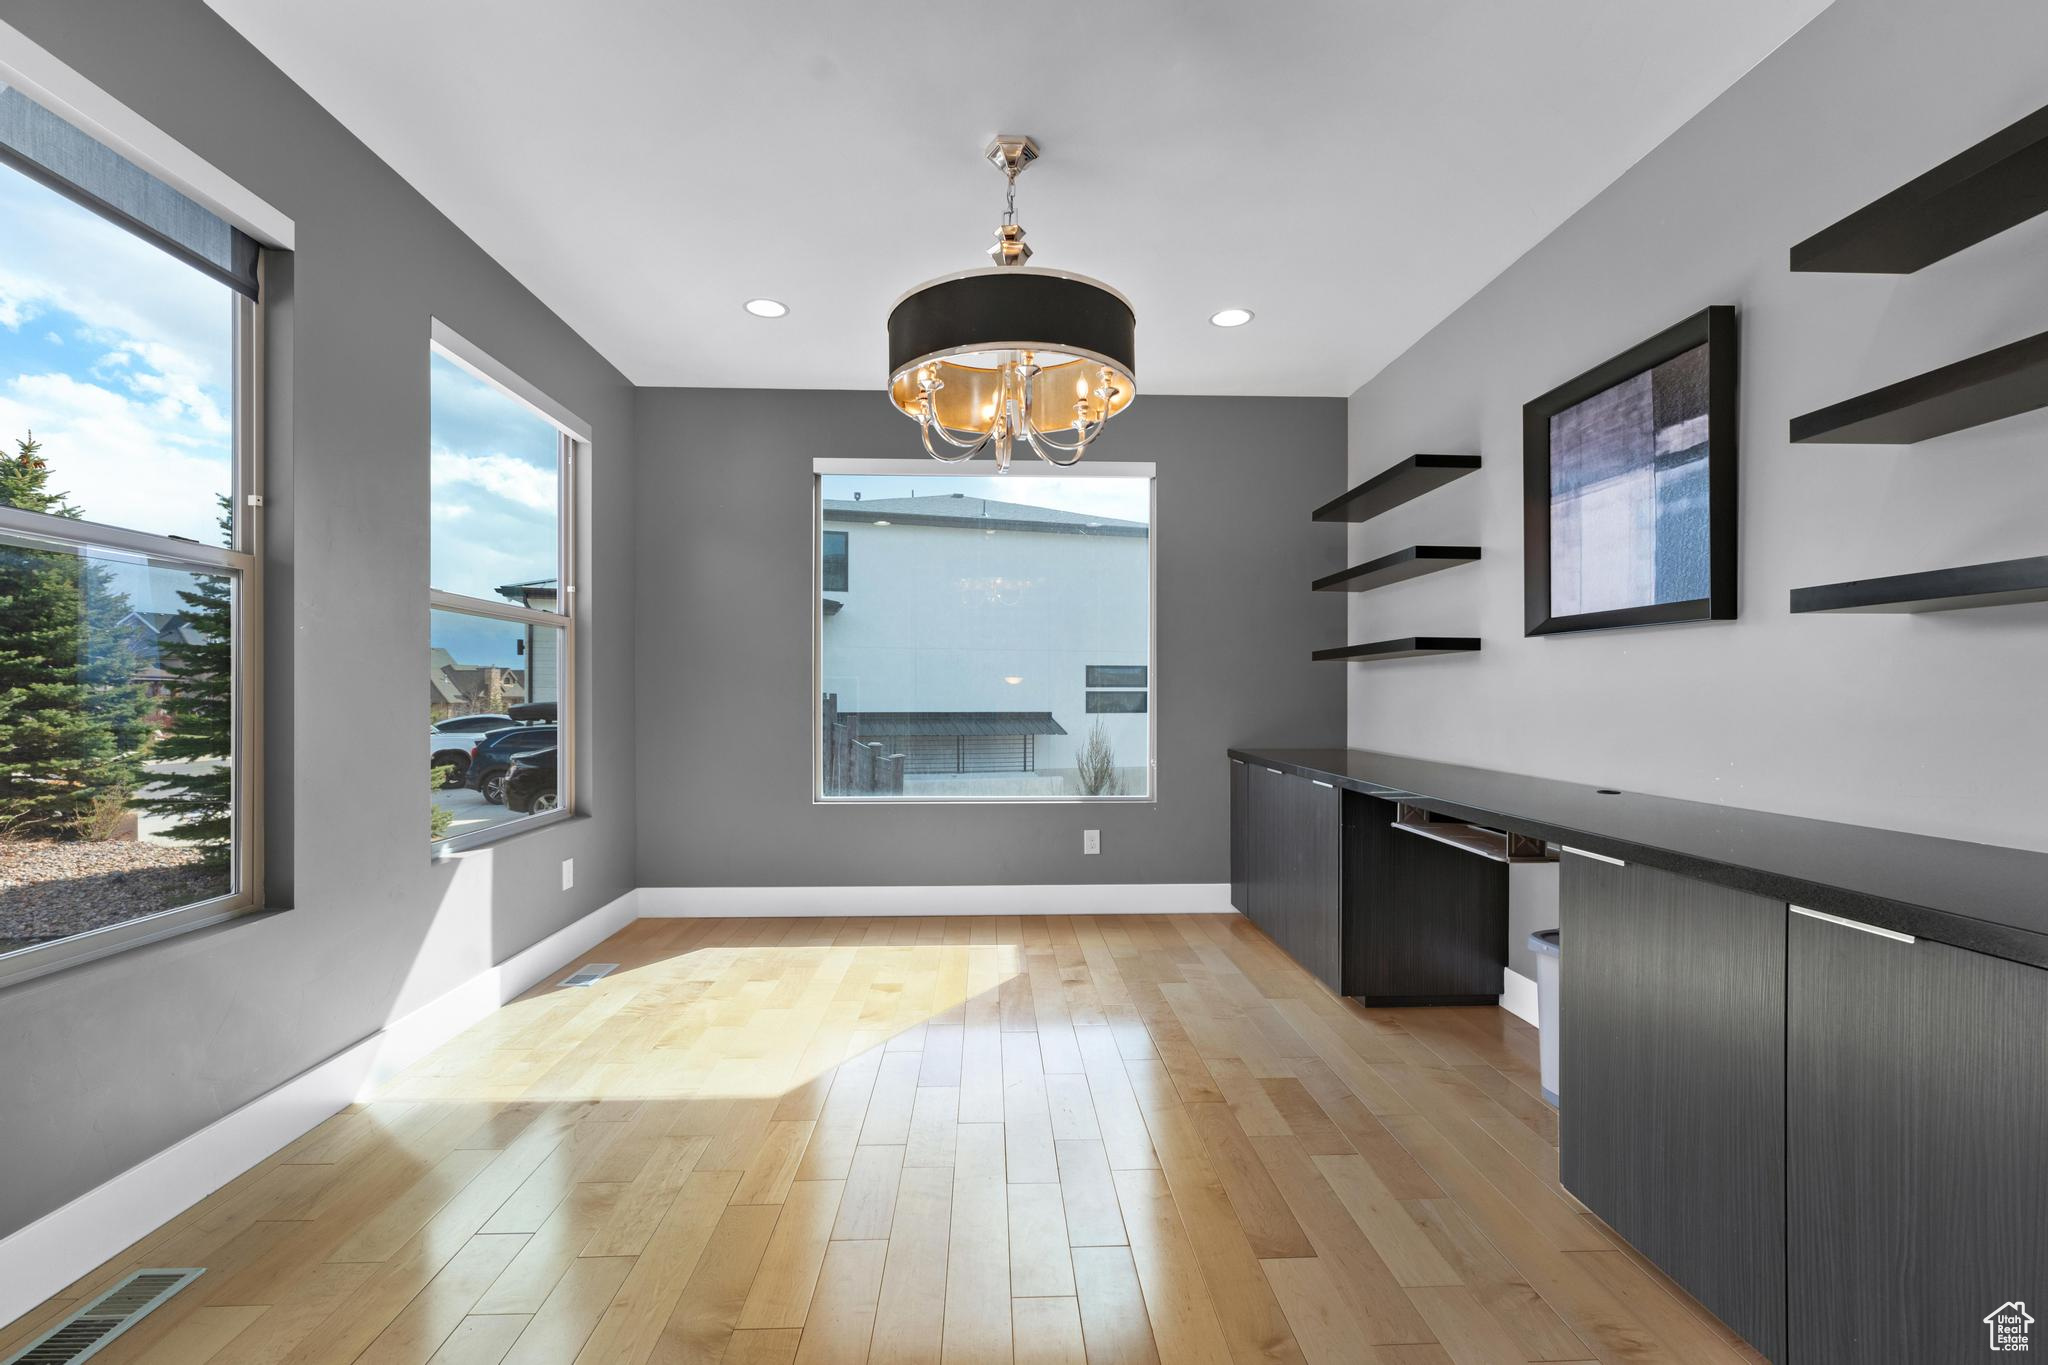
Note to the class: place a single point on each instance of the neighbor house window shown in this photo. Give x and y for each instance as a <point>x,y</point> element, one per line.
<point>501,628</point>
<point>834,561</point>
<point>968,666</point>
<point>1122,689</point>
<point>128,564</point>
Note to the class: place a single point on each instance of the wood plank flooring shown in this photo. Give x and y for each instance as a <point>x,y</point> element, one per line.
<point>1086,1139</point>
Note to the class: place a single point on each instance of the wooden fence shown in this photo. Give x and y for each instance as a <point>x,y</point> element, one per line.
<point>854,768</point>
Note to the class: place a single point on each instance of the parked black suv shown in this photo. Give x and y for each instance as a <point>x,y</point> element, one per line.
<point>492,757</point>
<point>530,783</point>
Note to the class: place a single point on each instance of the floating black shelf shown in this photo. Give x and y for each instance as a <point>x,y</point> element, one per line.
<point>1397,567</point>
<point>1997,384</point>
<point>1400,483</point>
<point>1974,585</point>
<point>2000,182</point>
<point>1413,647</point>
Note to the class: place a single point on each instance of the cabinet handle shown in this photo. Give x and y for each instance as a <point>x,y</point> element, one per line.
<point>1320,783</point>
<point>1851,924</point>
<point>1596,857</point>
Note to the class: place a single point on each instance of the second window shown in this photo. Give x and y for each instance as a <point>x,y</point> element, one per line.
<point>963,660</point>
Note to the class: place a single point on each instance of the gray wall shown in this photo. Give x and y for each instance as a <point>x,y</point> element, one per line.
<point>123,1057</point>
<point>724,556</point>
<point>1928,723</point>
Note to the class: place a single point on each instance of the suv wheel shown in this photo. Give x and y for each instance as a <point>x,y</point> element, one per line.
<point>493,789</point>
<point>543,803</point>
<point>457,765</point>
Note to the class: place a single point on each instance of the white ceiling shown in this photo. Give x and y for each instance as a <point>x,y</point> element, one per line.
<point>1352,170</point>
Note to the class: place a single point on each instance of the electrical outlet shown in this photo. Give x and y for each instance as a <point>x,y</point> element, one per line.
<point>568,873</point>
<point>1091,841</point>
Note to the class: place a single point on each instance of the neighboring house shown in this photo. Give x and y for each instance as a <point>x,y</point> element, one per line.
<point>455,689</point>
<point>148,634</point>
<point>982,640</point>
<point>542,647</point>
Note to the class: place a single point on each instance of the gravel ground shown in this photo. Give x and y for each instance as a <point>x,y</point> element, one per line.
<point>50,890</point>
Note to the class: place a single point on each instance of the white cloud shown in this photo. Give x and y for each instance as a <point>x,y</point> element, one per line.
<point>114,457</point>
<point>502,476</point>
<point>142,438</point>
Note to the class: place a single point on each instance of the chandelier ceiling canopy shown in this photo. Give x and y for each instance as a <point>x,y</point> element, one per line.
<point>987,358</point>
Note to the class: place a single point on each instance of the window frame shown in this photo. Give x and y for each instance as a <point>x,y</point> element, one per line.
<point>57,86</point>
<point>933,469</point>
<point>572,448</point>
<point>242,562</point>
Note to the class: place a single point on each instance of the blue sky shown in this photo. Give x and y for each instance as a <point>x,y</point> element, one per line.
<point>494,466</point>
<point>119,358</point>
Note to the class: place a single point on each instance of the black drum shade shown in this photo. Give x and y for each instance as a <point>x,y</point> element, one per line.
<point>966,328</point>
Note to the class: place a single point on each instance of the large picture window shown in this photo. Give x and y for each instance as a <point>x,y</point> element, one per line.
<point>500,640</point>
<point>961,662</point>
<point>128,564</point>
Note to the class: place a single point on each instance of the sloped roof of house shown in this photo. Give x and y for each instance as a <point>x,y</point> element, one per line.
<point>532,587</point>
<point>898,724</point>
<point>956,509</point>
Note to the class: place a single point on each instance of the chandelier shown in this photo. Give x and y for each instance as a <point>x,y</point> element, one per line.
<point>986,358</point>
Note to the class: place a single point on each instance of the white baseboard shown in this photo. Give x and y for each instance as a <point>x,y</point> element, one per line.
<point>769,902</point>
<point>66,1243</point>
<point>1518,996</point>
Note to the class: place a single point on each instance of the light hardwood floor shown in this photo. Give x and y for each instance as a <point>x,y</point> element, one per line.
<point>898,1140</point>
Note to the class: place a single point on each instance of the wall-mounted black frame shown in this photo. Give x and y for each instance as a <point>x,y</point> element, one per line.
<point>1713,328</point>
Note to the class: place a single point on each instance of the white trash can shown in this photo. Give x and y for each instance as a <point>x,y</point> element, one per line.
<point>1549,959</point>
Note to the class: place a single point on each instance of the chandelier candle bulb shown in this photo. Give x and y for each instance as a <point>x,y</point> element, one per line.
<point>979,359</point>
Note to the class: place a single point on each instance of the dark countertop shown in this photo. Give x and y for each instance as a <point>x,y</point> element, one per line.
<point>1983,897</point>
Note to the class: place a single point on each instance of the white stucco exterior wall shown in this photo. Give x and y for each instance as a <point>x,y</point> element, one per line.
<point>939,618</point>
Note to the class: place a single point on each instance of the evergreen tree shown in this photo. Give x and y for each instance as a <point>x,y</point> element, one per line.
<point>71,730</point>
<point>200,712</point>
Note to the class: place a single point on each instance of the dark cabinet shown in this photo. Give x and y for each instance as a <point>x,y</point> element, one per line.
<point>1240,835</point>
<point>1294,868</point>
<point>1371,912</point>
<point>1424,923</point>
<point>1672,1069</point>
<point>1917,1146</point>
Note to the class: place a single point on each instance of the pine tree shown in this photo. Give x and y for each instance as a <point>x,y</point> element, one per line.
<point>201,718</point>
<point>71,730</point>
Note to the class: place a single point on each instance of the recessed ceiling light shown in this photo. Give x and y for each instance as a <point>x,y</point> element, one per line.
<point>1231,317</point>
<point>1013,679</point>
<point>769,308</point>
<point>879,521</point>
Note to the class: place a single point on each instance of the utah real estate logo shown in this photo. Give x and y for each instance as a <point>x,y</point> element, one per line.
<point>2008,1324</point>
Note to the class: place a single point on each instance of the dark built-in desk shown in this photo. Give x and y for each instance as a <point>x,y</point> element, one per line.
<point>1803,1065</point>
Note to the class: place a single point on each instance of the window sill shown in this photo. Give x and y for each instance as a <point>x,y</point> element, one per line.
<point>81,949</point>
<point>450,849</point>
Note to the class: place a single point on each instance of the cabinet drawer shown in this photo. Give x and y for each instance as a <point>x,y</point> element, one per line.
<point>1672,1069</point>
<point>1917,1146</point>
